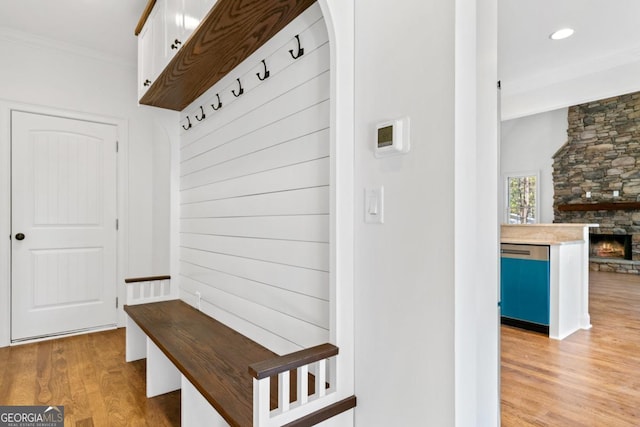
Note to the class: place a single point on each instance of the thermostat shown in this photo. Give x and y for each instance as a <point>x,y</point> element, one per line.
<point>392,137</point>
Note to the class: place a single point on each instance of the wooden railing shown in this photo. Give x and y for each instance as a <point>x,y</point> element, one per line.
<point>142,290</point>
<point>308,408</point>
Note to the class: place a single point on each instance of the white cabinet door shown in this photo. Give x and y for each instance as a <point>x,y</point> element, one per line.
<point>207,5</point>
<point>145,58</point>
<point>182,17</point>
<point>168,27</point>
<point>151,56</point>
<point>194,13</point>
<point>173,27</point>
<point>159,35</point>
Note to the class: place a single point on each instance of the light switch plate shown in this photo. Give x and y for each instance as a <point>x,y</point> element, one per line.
<point>374,205</point>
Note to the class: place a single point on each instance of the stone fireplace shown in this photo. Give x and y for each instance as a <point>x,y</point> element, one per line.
<point>596,177</point>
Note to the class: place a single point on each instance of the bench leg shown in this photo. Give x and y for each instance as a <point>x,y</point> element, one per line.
<point>136,342</point>
<point>196,409</point>
<point>162,375</point>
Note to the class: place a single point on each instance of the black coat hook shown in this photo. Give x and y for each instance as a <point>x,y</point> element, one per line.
<point>266,74</point>
<point>203,115</point>
<point>300,49</point>
<point>219,106</point>
<point>240,92</point>
<point>188,125</point>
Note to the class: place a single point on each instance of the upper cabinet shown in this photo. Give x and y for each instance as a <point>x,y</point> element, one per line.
<point>186,46</point>
<point>150,50</point>
<point>181,18</point>
<point>168,25</point>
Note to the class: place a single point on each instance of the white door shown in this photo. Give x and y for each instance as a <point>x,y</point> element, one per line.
<point>63,219</point>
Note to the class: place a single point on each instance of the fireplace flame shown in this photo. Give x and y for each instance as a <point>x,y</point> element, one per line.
<point>609,249</point>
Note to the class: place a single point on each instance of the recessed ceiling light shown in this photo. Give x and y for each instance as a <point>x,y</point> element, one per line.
<point>562,34</point>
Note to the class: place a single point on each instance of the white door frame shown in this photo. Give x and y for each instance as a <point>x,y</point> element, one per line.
<point>5,202</point>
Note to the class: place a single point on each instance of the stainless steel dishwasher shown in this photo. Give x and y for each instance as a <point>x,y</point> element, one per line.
<point>524,286</point>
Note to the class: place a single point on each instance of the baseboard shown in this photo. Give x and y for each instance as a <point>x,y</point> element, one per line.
<point>523,324</point>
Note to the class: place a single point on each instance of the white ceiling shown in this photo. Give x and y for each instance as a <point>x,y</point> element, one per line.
<point>607,32</point>
<point>105,26</point>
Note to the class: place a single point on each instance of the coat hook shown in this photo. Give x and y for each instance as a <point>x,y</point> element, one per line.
<point>266,72</point>
<point>300,49</point>
<point>240,92</point>
<point>203,115</point>
<point>188,124</point>
<point>219,106</point>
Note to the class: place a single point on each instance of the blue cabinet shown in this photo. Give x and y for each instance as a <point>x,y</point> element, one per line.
<point>524,284</point>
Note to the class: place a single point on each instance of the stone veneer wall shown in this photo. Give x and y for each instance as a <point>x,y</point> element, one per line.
<point>602,154</point>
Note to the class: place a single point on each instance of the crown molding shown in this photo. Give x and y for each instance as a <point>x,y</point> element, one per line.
<point>20,37</point>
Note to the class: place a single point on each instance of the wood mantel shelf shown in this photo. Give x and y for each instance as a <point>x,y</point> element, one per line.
<point>600,206</point>
<point>231,31</point>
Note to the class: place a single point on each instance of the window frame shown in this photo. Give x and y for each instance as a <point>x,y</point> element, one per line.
<point>521,174</point>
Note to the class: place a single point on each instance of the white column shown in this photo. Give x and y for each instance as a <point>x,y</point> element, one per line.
<point>585,318</point>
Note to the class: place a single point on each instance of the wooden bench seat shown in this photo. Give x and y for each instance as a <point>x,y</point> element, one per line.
<point>220,363</point>
<point>212,356</point>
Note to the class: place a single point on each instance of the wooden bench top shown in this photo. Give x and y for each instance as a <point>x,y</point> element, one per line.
<point>214,357</point>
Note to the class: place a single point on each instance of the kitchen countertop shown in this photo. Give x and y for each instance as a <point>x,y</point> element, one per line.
<point>568,270</point>
<point>545,234</point>
<point>552,225</point>
<point>544,242</point>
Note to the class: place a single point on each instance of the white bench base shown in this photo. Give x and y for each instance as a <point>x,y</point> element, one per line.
<point>163,377</point>
<point>196,411</point>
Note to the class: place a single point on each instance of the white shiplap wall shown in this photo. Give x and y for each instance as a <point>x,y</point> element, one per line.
<point>254,194</point>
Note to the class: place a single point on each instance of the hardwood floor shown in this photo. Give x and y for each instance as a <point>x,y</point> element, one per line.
<point>591,378</point>
<point>86,374</point>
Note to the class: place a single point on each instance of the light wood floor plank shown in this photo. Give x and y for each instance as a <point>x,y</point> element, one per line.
<point>21,370</point>
<point>591,378</point>
<point>88,375</point>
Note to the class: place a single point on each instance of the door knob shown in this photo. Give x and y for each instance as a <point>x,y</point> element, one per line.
<point>19,236</point>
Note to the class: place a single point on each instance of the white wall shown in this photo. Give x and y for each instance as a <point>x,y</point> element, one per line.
<point>255,194</point>
<point>527,145</point>
<point>160,178</point>
<point>55,76</point>
<point>426,311</point>
<point>477,354</point>
<point>405,268</point>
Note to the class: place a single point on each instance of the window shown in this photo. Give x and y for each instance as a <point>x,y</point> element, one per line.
<point>522,198</point>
